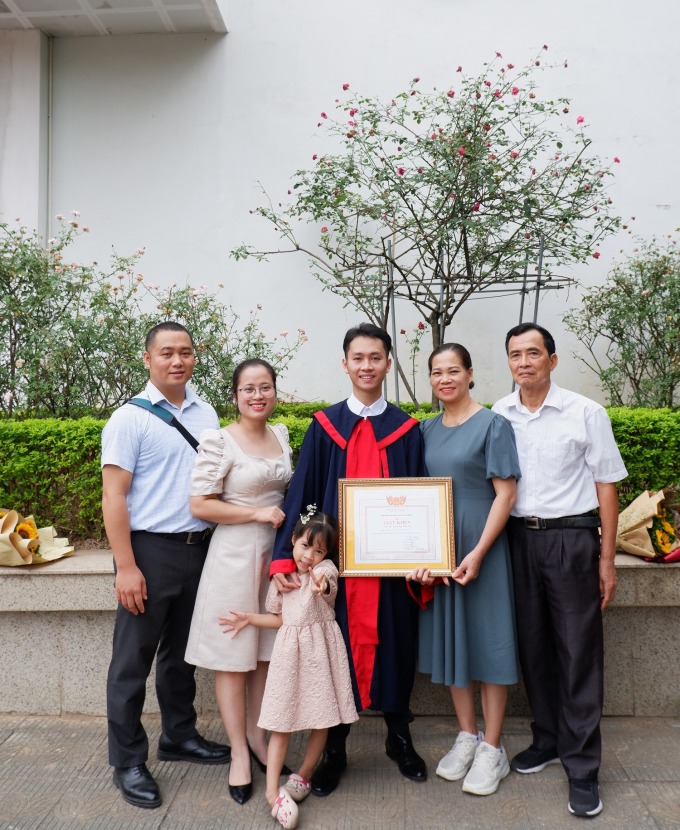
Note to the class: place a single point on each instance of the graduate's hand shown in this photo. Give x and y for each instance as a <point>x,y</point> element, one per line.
<point>319,582</point>
<point>286,582</point>
<point>423,576</point>
<point>234,621</point>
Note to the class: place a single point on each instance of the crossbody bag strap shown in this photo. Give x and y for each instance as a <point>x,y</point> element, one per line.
<point>166,416</point>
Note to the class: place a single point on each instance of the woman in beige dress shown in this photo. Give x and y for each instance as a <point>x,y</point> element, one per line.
<point>239,481</point>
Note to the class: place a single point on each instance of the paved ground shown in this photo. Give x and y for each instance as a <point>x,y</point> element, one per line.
<point>54,775</point>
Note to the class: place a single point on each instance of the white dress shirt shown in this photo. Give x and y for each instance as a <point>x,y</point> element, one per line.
<point>358,408</point>
<point>564,448</point>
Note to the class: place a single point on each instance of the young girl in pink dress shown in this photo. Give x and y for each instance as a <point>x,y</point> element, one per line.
<point>308,684</point>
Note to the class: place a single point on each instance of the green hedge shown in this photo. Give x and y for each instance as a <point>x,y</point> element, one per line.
<point>51,467</point>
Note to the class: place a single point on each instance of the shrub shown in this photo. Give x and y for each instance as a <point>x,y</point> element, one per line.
<point>51,467</point>
<point>629,327</point>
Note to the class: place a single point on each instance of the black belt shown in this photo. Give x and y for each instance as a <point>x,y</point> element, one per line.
<point>536,523</point>
<point>192,537</point>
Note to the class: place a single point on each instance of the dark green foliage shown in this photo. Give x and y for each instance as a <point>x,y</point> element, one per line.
<point>51,467</point>
<point>649,440</point>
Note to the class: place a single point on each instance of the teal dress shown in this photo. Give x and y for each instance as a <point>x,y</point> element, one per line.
<point>468,632</point>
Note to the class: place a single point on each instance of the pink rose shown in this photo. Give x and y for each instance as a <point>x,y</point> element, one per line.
<point>514,154</point>
<point>487,83</point>
<point>511,66</point>
<point>403,331</point>
<point>401,171</point>
<point>324,229</point>
<point>323,115</point>
<point>580,119</point>
<point>596,255</point>
<point>515,90</point>
<point>450,93</point>
<point>353,112</point>
<point>475,207</point>
<point>420,169</point>
<point>617,160</point>
<point>416,79</point>
<point>345,87</point>
<point>421,326</point>
<point>497,93</point>
<point>314,157</point>
<point>461,151</point>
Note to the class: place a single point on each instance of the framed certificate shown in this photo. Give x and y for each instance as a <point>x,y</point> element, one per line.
<point>391,526</point>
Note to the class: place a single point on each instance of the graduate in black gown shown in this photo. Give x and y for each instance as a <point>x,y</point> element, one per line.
<point>362,437</point>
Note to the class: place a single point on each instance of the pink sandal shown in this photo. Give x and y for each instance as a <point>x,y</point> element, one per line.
<point>298,787</point>
<point>285,810</point>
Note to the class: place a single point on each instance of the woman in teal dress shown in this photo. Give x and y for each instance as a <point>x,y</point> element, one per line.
<point>467,629</point>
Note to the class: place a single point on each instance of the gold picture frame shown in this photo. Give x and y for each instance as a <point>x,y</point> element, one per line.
<point>391,526</point>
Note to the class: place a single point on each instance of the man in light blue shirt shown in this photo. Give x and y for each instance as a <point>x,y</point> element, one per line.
<point>159,549</point>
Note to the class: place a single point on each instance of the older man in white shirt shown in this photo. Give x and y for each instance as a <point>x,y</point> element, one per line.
<point>563,569</point>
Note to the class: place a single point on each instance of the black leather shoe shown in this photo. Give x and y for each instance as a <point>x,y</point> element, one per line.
<point>329,771</point>
<point>285,770</point>
<point>198,750</point>
<point>137,786</point>
<point>400,749</point>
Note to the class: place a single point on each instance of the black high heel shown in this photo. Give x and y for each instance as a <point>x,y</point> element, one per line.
<point>242,792</point>
<point>263,767</point>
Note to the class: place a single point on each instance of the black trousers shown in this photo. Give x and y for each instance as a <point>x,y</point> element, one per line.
<point>559,628</point>
<point>397,722</point>
<point>172,570</point>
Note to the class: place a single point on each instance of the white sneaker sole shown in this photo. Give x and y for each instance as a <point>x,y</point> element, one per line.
<point>469,788</point>
<point>538,768</point>
<point>589,814</point>
<point>449,776</point>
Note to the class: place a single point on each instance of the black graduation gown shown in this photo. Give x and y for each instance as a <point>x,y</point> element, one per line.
<point>315,481</point>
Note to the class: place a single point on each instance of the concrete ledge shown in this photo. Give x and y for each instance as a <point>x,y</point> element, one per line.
<point>56,623</point>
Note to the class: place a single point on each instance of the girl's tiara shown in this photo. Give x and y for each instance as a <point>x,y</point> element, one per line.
<point>305,517</point>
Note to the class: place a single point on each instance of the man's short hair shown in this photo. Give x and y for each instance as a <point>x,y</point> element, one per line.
<point>167,325</point>
<point>523,328</point>
<point>367,330</point>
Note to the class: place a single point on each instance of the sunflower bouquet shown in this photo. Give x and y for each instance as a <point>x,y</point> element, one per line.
<point>648,527</point>
<point>22,542</point>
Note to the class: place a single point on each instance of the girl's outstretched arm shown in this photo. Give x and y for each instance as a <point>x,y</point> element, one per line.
<point>236,620</point>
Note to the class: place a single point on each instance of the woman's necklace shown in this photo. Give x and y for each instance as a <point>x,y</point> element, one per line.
<point>462,418</point>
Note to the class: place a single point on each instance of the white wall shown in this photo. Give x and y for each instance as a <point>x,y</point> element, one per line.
<point>160,141</point>
<point>24,86</point>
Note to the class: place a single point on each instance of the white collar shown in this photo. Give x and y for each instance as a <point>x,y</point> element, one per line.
<point>553,398</point>
<point>358,408</point>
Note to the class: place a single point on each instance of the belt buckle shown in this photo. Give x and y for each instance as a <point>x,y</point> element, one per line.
<point>532,522</point>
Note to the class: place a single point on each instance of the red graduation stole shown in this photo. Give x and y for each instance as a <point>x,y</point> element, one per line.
<point>366,458</point>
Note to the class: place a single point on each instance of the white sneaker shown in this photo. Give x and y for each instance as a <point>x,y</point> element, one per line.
<point>458,760</point>
<point>489,768</point>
